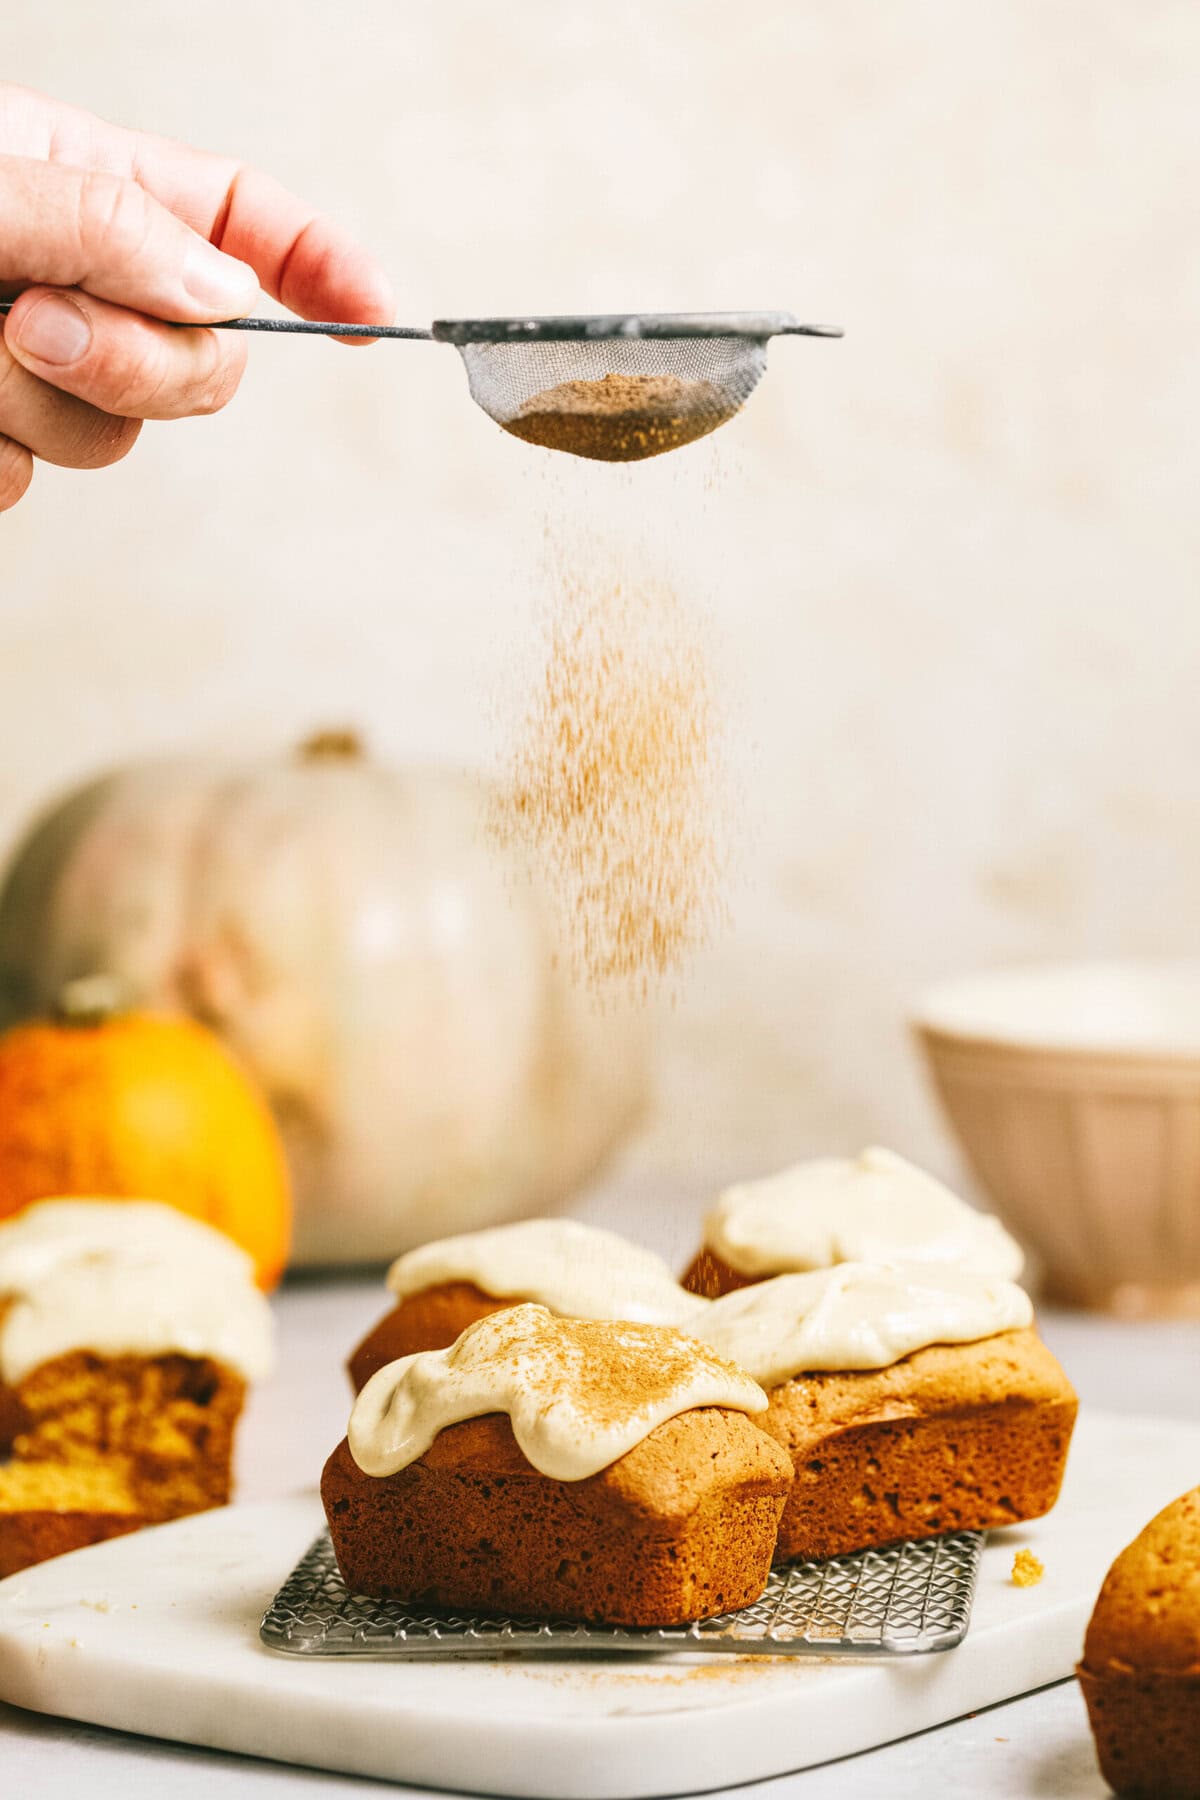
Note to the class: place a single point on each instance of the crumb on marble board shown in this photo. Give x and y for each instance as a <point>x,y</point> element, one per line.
<point>1027,1571</point>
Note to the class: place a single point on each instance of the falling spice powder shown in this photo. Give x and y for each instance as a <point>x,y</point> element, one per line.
<point>614,783</point>
<point>621,418</point>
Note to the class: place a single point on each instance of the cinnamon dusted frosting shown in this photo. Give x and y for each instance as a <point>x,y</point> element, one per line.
<point>126,1278</point>
<point>872,1208</point>
<point>576,1270</point>
<point>579,1392</point>
<point>859,1315</point>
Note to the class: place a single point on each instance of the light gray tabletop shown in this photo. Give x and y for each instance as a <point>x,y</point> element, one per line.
<point>1028,1748</point>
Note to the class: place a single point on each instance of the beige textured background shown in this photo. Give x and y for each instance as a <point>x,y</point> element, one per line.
<point>951,563</point>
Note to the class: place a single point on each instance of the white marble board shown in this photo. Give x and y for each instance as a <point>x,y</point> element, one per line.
<point>158,1634</point>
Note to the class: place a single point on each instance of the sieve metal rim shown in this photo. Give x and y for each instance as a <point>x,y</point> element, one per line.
<point>593,327</point>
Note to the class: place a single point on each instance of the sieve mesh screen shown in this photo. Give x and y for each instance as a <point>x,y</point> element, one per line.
<point>503,377</point>
<point>614,399</point>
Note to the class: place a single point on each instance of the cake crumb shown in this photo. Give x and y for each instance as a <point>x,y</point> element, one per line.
<point>1027,1571</point>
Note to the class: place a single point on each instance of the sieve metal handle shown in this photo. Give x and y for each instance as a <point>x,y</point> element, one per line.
<point>309,327</point>
<point>599,327</point>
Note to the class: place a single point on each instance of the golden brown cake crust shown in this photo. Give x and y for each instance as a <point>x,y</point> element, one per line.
<point>1147,1732</point>
<point>91,1446</point>
<point>32,1536</point>
<point>1147,1616</point>
<point>680,1528</point>
<point>429,1320</point>
<point>710,1276</point>
<point>1141,1669</point>
<point>955,1437</point>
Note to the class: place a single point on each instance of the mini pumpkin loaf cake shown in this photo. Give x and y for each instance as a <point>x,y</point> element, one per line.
<point>576,1270</point>
<point>911,1399</point>
<point>128,1333</point>
<point>583,1469</point>
<point>871,1208</point>
<point>1140,1672</point>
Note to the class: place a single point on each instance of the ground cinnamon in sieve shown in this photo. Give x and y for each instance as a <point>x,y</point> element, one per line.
<point>614,780</point>
<point>621,418</point>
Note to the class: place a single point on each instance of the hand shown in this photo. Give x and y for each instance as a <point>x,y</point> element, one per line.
<point>106,233</point>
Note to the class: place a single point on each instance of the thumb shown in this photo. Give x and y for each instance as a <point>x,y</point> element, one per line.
<point>68,227</point>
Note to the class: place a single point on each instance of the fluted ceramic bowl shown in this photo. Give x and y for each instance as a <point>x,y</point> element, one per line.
<point>1075,1093</point>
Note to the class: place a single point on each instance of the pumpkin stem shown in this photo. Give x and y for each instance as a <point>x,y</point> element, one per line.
<point>92,999</point>
<point>332,746</point>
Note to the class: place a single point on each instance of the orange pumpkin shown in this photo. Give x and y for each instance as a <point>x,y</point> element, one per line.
<point>141,1106</point>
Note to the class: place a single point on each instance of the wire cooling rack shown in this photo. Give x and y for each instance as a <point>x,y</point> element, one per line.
<point>904,1600</point>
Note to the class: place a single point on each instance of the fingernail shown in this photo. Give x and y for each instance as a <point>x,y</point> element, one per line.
<point>219,282</point>
<point>55,330</point>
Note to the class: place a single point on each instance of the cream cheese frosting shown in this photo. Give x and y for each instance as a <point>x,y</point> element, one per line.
<point>859,1315</point>
<point>126,1278</point>
<point>576,1270</point>
<point>871,1208</point>
<point>579,1392</point>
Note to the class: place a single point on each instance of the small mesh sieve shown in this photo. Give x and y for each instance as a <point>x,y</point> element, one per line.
<point>613,386</point>
<point>617,387</point>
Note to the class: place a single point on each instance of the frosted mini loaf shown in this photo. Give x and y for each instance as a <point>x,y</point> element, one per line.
<point>128,1333</point>
<point>575,1468</point>
<point>911,1399</point>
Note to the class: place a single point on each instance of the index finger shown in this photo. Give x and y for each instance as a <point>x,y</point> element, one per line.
<point>301,257</point>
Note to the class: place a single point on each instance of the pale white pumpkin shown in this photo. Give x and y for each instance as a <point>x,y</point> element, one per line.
<point>386,973</point>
